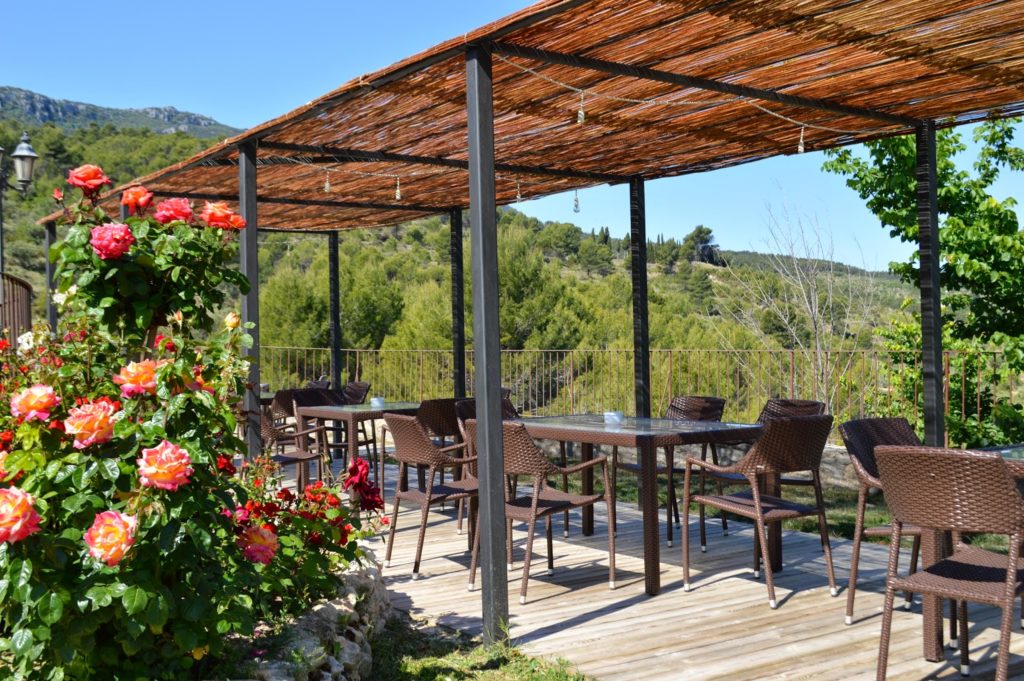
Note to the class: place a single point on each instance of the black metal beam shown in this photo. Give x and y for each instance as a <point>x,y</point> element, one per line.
<point>49,239</point>
<point>325,203</point>
<point>486,342</point>
<point>638,268</point>
<point>645,73</point>
<point>931,310</point>
<point>250,301</point>
<point>335,293</point>
<point>342,155</point>
<point>458,306</point>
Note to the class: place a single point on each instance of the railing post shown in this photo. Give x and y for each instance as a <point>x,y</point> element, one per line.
<point>486,341</point>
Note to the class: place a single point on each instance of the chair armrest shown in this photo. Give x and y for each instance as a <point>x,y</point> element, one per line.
<point>461,461</point>
<point>452,448</point>
<point>701,463</point>
<point>583,465</point>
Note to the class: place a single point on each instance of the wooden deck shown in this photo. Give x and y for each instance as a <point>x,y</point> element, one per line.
<point>722,629</point>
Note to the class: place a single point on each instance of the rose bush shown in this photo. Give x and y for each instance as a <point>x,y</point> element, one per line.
<point>130,544</point>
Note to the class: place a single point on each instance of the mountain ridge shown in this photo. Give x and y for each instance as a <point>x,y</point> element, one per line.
<point>33,108</point>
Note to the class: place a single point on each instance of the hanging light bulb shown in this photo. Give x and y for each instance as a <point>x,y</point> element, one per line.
<point>327,184</point>
<point>519,193</point>
<point>398,189</point>
<point>576,201</point>
<point>581,115</point>
<point>800,144</point>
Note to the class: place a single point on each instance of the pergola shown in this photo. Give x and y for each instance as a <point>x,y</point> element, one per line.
<point>571,93</point>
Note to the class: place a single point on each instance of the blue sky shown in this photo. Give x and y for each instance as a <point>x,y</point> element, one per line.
<point>246,66</point>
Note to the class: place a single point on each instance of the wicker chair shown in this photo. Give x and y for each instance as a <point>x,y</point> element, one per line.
<point>959,492</point>
<point>465,409</point>
<point>414,447</point>
<point>277,433</point>
<point>523,457</point>
<point>681,408</point>
<point>861,437</point>
<point>787,445</point>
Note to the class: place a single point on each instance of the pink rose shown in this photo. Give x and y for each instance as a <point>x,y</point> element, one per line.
<point>88,178</point>
<point>258,544</point>
<point>18,518</point>
<point>166,466</point>
<point>170,210</point>
<point>92,423</point>
<point>110,242</point>
<point>34,403</point>
<point>138,378</point>
<point>111,535</point>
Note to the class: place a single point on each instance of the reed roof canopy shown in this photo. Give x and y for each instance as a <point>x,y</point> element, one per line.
<point>597,91</point>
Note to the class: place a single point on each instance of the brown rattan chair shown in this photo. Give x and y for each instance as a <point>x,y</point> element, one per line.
<point>413,447</point>
<point>523,457</point>
<point>465,409</point>
<point>786,445</point>
<point>290,443</point>
<point>861,438</point>
<point>681,408</point>
<point>960,492</point>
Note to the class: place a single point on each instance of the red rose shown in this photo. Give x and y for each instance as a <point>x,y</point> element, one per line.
<point>170,210</point>
<point>88,178</point>
<point>225,465</point>
<point>4,344</point>
<point>110,242</point>
<point>219,215</point>
<point>137,199</point>
<point>58,195</point>
<point>162,342</point>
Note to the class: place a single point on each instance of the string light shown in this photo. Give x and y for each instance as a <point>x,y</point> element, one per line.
<point>327,183</point>
<point>581,115</point>
<point>575,201</point>
<point>398,188</point>
<point>519,193</point>
<point>800,144</point>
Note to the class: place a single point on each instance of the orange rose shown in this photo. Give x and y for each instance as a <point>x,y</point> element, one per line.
<point>137,199</point>
<point>88,178</point>
<point>232,320</point>
<point>219,215</point>
<point>111,535</point>
<point>92,423</point>
<point>166,466</point>
<point>138,378</point>
<point>34,403</point>
<point>18,518</point>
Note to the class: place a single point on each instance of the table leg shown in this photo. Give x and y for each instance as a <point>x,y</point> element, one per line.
<point>649,490</point>
<point>931,606</point>
<point>353,439</point>
<point>586,454</point>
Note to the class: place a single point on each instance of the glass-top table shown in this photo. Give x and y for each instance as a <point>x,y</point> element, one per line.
<point>646,435</point>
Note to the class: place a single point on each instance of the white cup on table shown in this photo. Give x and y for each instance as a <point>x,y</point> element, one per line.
<point>376,402</point>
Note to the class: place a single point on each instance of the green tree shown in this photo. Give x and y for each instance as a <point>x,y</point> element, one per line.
<point>594,257</point>
<point>982,246</point>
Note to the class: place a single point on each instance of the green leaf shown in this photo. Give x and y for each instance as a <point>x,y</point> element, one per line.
<point>21,641</point>
<point>23,571</point>
<point>193,609</point>
<point>134,600</point>
<point>109,469</point>
<point>50,608</point>
<point>100,596</point>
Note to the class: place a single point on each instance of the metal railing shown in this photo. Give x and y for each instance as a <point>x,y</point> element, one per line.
<point>852,383</point>
<point>15,305</point>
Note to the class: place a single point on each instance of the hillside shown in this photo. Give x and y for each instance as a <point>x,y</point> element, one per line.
<point>30,108</point>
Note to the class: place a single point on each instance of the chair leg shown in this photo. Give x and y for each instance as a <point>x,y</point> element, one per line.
<point>965,661</point>
<point>823,531</point>
<point>551,545</point>
<point>615,500</point>
<point>531,526</point>
<point>458,516</point>
<point>391,534</point>
<point>858,532</point>
<point>686,529</point>
<point>703,532</point>
<point>762,538</point>
<point>475,524</point>
<point>883,644</point>
<point>718,487</point>
<point>424,513</point>
<point>915,551</point>
<point>508,543</point>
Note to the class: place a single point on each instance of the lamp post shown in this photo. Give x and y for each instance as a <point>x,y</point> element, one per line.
<point>24,157</point>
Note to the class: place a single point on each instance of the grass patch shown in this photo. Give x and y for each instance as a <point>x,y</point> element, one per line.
<point>405,652</point>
